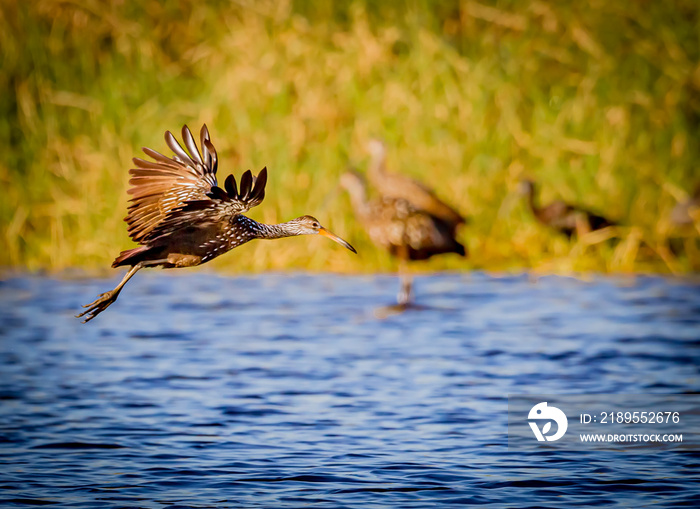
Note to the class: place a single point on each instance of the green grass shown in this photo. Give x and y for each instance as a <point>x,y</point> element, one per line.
<point>599,102</point>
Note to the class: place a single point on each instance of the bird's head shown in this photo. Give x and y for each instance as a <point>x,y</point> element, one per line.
<point>309,225</point>
<point>376,148</point>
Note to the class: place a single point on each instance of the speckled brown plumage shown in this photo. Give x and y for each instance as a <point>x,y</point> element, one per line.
<point>405,231</point>
<point>182,218</point>
<point>561,216</point>
<point>401,187</point>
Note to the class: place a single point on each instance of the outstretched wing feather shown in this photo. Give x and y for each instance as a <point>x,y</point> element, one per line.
<point>191,145</point>
<point>203,139</point>
<point>209,152</point>
<point>258,193</point>
<point>170,193</point>
<point>230,185</point>
<point>162,185</point>
<point>156,155</point>
<point>246,183</point>
<point>177,149</point>
<point>219,194</point>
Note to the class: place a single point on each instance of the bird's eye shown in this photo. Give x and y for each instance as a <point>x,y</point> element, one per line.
<point>316,225</point>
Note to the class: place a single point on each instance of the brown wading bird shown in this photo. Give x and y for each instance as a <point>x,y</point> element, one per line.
<point>561,216</point>
<point>182,218</point>
<point>407,219</point>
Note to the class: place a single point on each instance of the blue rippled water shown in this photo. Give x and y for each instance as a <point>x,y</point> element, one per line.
<point>196,390</point>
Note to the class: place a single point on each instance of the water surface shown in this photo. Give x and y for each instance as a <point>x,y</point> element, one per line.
<point>196,390</point>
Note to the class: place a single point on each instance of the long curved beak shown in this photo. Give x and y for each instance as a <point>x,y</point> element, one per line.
<point>335,238</point>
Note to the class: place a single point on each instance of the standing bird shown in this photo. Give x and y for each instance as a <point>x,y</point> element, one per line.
<point>561,216</point>
<point>182,218</point>
<point>402,228</point>
<point>394,185</point>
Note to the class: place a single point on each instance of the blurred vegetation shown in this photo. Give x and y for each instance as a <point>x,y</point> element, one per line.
<point>598,101</point>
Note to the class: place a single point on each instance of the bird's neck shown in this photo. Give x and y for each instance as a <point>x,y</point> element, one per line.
<point>532,201</point>
<point>377,165</point>
<point>358,200</point>
<point>272,231</point>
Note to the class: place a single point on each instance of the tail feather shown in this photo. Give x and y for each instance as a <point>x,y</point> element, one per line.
<point>460,249</point>
<point>130,256</point>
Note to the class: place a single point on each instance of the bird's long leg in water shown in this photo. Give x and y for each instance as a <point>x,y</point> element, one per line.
<point>405,295</point>
<point>106,299</point>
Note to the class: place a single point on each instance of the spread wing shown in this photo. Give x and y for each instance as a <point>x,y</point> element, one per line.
<point>163,188</point>
<point>217,206</point>
<point>161,185</point>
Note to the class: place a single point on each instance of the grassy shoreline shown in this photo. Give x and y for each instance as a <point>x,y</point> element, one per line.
<point>599,103</point>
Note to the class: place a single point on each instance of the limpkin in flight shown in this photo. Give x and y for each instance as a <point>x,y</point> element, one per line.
<point>182,218</point>
<point>408,230</point>
<point>561,216</point>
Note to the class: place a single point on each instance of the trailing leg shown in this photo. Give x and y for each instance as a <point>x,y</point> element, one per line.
<point>106,299</point>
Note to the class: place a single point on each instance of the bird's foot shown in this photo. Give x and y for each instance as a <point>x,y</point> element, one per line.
<point>385,312</point>
<point>98,305</point>
<point>404,297</point>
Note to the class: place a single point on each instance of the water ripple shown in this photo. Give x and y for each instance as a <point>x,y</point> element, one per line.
<point>190,393</point>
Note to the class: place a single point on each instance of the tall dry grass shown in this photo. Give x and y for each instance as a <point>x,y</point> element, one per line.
<point>598,101</point>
